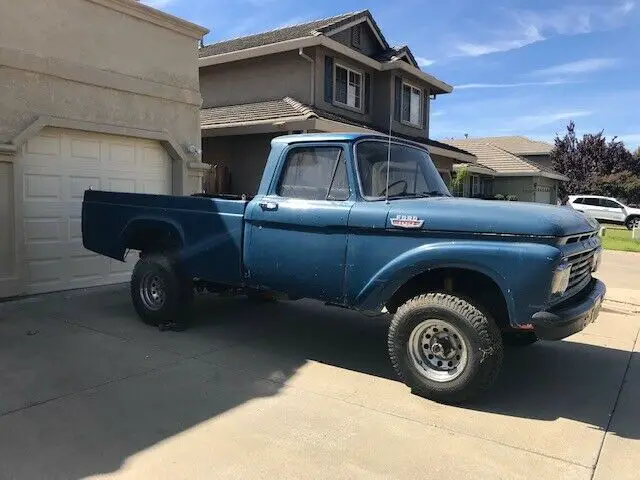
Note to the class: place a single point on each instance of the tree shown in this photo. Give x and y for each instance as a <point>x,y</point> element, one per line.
<point>596,166</point>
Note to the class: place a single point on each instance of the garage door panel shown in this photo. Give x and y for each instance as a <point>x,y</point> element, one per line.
<point>78,185</point>
<point>87,266</point>
<point>85,149</point>
<point>122,185</point>
<point>41,187</point>
<point>48,145</point>
<point>121,157</point>
<point>58,166</point>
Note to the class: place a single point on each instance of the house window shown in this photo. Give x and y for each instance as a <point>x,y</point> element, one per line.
<point>356,35</point>
<point>411,105</point>
<point>348,87</point>
<point>475,185</point>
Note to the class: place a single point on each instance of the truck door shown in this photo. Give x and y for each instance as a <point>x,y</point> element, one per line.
<point>297,233</point>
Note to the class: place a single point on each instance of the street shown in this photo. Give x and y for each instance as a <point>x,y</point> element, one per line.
<point>300,390</point>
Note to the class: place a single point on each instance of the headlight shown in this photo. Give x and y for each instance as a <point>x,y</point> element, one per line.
<point>560,280</point>
<point>595,261</point>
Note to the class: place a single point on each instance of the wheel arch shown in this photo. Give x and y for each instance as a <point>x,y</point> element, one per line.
<point>152,235</point>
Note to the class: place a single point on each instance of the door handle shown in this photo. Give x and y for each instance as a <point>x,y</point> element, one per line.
<point>271,206</point>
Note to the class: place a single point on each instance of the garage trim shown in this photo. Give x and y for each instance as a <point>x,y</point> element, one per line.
<point>182,160</point>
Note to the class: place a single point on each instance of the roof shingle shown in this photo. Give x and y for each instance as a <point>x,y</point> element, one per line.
<point>281,34</point>
<point>497,159</point>
<point>519,145</point>
<point>289,108</point>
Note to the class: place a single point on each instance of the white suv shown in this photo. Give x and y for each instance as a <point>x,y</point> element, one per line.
<point>606,209</point>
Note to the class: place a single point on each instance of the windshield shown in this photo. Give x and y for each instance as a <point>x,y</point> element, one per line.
<point>411,172</point>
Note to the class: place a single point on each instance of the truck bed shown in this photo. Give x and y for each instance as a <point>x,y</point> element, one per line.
<point>205,231</point>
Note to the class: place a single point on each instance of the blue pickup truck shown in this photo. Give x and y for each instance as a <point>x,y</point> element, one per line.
<point>365,222</point>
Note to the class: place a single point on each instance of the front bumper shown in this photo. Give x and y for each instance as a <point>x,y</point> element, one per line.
<point>571,317</point>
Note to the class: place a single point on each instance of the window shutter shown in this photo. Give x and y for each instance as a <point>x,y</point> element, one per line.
<point>328,79</point>
<point>367,92</point>
<point>397,105</point>
<point>425,112</point>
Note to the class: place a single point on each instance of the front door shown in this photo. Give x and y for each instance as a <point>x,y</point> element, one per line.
<point>612,210</point>
<point>297,233</point>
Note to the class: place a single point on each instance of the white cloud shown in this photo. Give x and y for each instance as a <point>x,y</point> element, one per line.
<point>535,121</point>
<point>536,26</point>
<point>523,38</point>
<point>469,86</point>
<point>424,62</point>
<point>580,66</point>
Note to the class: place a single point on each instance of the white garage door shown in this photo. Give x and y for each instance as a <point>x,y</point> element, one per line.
<point>57,166</point>
<point>543,196</point>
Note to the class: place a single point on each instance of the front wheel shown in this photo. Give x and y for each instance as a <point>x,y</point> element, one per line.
<point>160,295</point>
<point>633,222</point>
<point>444,348</point>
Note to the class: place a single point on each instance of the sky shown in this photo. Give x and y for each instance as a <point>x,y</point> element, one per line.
<point>518,67</point>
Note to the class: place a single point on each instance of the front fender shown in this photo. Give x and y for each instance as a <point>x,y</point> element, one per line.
<point>522,271</point>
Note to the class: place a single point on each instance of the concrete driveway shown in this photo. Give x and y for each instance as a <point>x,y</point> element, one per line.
<point>296,390</point>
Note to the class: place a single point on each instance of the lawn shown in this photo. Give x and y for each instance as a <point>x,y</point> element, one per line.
<point>617,238</point>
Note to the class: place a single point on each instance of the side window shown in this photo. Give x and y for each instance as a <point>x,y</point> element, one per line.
<point>592,201</point>
<point>578,200</point>
<point>315,173</point>
<point>610,204</point>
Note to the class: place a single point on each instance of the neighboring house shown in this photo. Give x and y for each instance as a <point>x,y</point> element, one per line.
<point>333,75</point>
<point>99,94</point>
<point>509,166</point>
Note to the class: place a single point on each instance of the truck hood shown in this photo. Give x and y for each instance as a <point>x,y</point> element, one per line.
<point>490,216</point>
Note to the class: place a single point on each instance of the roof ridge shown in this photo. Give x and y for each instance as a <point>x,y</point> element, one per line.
<point>301,107</point>
<point>294,25</point>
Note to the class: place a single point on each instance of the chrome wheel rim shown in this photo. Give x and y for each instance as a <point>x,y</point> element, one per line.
<point>152,291</point>
<point>438,350</point>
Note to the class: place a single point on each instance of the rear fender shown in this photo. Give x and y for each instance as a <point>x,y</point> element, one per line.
<point>164,231</point>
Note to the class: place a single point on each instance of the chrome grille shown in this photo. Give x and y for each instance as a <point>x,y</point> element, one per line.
<point>580,238</point>
<point>581,264</point>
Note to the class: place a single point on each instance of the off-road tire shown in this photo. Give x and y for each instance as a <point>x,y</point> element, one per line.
<point>178,291</point>
<point>519,339</point>
<point>483,343</point>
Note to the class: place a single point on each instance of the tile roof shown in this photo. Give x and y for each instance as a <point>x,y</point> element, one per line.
<point>292,32</point>
<point>254,112</point>
<point>497,159</point>
<point>290,109</point>
<point>519,145</point>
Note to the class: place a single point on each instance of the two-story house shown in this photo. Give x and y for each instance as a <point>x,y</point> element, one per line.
<point>332,75</point>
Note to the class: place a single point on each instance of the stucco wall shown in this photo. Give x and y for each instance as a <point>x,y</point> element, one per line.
<point>245,155</point>
<point>257,79</point>
<point>86,33</point>
<point>78,60</point>
<point>521,187</point>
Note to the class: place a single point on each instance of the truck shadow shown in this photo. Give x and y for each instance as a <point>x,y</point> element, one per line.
<point>85,366</point>
<point>545,381</point>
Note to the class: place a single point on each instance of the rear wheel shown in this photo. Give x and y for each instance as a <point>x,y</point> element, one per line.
<point>159,293</point>
<point>633,222</point>
<point>444,348</point>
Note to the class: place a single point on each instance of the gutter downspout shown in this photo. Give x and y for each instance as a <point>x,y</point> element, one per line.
<point>7,149</point>
<point>313,73</point>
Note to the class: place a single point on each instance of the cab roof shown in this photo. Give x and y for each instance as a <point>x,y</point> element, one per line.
<point>342,137</point>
